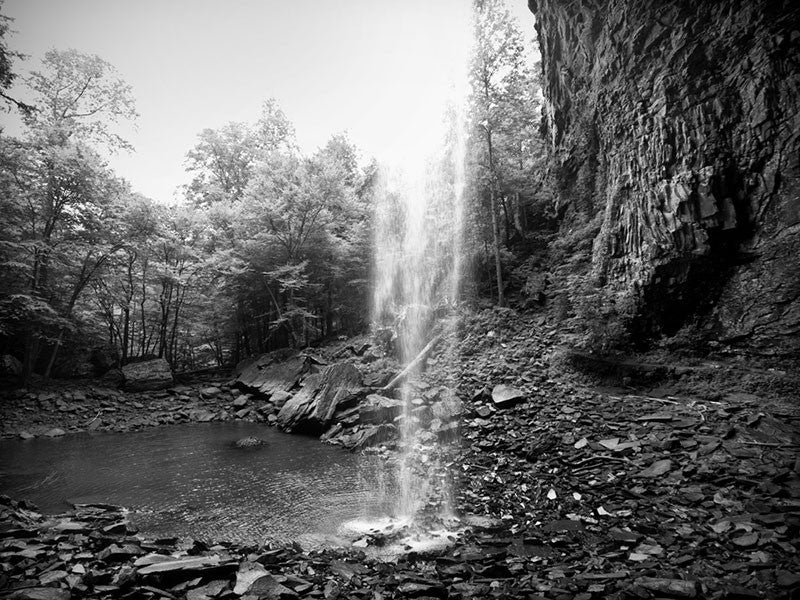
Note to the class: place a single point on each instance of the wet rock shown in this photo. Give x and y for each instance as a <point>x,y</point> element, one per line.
<point>377,409</point>
<point>448,408</point>
<point>372,435</point>
<point>153,374</point>
<point>250,442</point>
<point>202,416</point>
<point>55,432</point>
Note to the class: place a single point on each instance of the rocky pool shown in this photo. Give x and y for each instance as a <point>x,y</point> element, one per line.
<point>190,480</point>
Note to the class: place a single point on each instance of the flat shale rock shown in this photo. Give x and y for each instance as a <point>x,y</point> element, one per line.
<point>505,396</point>
<point>41,593</point>
<point>190,564</point>
<point>149,375</point>
<point>267,587</point>
<point>248,573</point>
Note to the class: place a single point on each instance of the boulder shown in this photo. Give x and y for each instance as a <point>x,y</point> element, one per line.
<point>379,409</point>
<point>311,409</point>
<point>210,392</point>
<point>10,366</point>
<point>271,373</point>
<point>113,377</point>
<point>153,374</point>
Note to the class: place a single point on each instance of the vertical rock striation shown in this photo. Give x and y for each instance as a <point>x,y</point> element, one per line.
<point>679,122</point>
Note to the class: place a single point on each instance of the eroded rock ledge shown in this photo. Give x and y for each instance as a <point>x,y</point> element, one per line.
<point>678,125</point>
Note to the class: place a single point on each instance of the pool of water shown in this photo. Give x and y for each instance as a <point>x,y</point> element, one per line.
<point>190,480</point>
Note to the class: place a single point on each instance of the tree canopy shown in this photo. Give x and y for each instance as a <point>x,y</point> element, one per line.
<point>271,246</point>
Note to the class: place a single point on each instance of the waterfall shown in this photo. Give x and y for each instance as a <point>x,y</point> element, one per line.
<point>418,269</point>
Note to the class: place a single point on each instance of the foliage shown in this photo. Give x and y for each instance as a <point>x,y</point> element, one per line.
<point>77,98</point>
<point>7,57</point>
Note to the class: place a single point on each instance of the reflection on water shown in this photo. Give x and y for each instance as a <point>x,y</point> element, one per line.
<point>190,480</point>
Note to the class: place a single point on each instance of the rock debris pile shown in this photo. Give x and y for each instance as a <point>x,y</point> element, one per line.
<point>565,491</point>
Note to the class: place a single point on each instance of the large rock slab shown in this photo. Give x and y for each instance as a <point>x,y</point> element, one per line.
<point>312,408</point>
<point>379,409</point>
<point>272,373</point>
<point>153,374</point>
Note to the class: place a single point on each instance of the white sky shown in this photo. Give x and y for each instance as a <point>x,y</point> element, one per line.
<point>377,69</point>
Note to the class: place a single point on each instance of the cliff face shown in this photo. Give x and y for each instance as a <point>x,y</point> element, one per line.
<point>679,122</point>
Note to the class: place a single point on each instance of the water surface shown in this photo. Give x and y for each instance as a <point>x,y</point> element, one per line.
<point>190,480</point>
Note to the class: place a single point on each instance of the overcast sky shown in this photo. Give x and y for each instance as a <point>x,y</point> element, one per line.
<point>379,70</point>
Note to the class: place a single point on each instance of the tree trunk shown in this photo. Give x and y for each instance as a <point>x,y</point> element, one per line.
<point>501,301</point>
<point>29,357</point>
<point>126,331</point>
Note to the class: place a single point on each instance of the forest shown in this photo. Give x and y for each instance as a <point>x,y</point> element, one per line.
<point>268,247</point>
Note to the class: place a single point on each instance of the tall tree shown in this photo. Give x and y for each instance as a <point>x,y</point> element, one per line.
<point>504,110</point>
<point>59,189</point>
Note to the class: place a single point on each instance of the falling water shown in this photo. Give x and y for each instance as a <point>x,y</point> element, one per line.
<point>418,267</point>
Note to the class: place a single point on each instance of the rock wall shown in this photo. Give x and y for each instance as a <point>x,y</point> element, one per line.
<point>679,123</point>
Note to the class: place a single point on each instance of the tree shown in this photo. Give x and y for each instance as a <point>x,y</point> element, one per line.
<point>504,110</point>
<point>77,98</point>
<point>59,193</point>
<point>222,161</point>
<point>7,57</point>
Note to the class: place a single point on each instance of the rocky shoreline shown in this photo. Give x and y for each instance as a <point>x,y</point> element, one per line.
<point>75,407</point>
<point>584,492</point>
